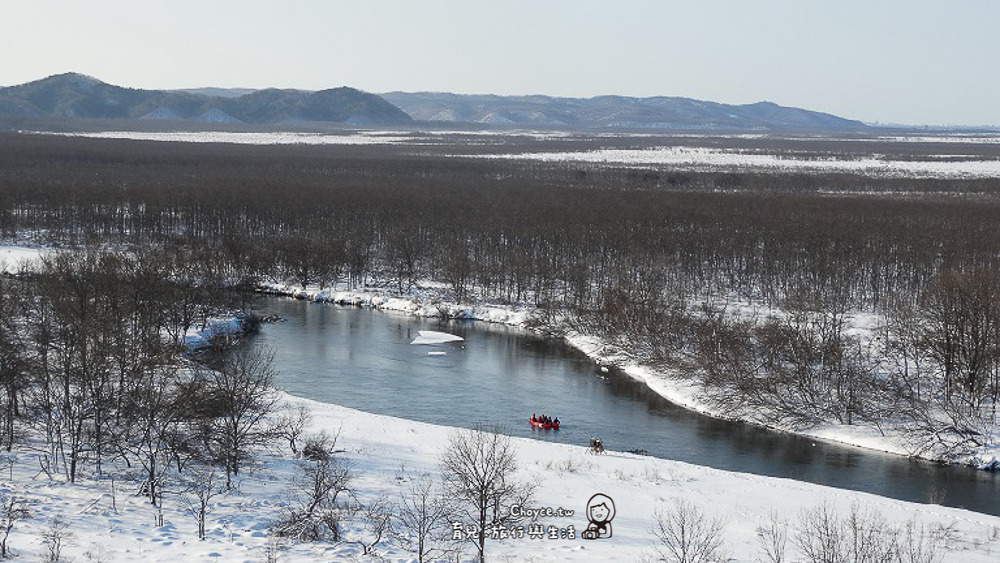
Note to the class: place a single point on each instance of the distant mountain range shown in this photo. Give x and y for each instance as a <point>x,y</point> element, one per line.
<point>74,95</point>
<point>611,112</point>
<point>79,96</point>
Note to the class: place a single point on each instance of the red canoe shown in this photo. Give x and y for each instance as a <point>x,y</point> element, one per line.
<point>539,424</point>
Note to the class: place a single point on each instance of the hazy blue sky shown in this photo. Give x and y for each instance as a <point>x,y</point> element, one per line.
<point>913,62</point>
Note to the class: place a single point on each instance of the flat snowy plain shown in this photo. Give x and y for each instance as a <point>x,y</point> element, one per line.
<point>733,160</point>
<point>953,165</point>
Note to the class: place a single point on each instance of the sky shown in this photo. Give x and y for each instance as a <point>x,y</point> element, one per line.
<point>914,62</point>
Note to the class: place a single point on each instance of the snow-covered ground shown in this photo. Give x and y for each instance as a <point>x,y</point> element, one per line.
<point>945,166</point>
<point>12,257</point>
<point>200,336</point>
<point>241,138</point>
<point>422,304</point>
<point>736,160</point>
<point>360,137</point>
<point>105,519</point>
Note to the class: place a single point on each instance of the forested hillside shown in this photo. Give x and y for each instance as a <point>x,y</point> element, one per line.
<point>76,96</point>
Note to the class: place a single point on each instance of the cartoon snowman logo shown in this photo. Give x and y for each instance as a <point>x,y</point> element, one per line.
<point>600,512</point>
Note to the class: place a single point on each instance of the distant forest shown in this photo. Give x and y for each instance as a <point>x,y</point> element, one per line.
<point>624,251</point>
<point>563,235</point>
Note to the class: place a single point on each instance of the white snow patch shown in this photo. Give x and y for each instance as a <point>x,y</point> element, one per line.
<point>712,159</point>
<point>377,299</point>
<point>14,257</point>
<point>239,138</point>
<point>201,335</point>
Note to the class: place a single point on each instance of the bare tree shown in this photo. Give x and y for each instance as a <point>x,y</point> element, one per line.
<point>917,545</point>
<point>272,550</point>
<point>290,426</point>
<point>871,539</point>
<point>239,397</point>
<point>201,486</point>
<point>150,412</point>
<point>961,316</point>
<point>479,467</point>
<point>819,536</point>
<point>11,511</point>
<point>685,534</point>
<point>13,357</point>
<point>422,520</point>
<point>378,518</point>
<point>772,536</point>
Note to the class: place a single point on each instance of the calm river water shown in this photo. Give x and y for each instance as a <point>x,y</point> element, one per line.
<point>363,359</point>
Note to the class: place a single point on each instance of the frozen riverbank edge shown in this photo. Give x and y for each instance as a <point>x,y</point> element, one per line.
<point>890,438</point>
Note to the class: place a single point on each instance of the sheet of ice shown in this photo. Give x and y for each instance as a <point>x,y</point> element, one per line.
<point>435,337</point>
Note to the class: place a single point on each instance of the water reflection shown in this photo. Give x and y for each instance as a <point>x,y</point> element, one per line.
<point>362,359</point>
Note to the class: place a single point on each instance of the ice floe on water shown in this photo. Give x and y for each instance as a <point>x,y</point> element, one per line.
<point>435,337</point>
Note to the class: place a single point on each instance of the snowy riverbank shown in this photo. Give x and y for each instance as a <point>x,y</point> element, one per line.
<point>105,521</point>
<point>890,438</point>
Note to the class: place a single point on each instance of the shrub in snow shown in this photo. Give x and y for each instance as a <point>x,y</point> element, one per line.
<point>684,534</point>
<point>319,509</point>
<point>11,511</point>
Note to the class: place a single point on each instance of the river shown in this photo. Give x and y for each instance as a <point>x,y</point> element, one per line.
<point>363,359</point>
